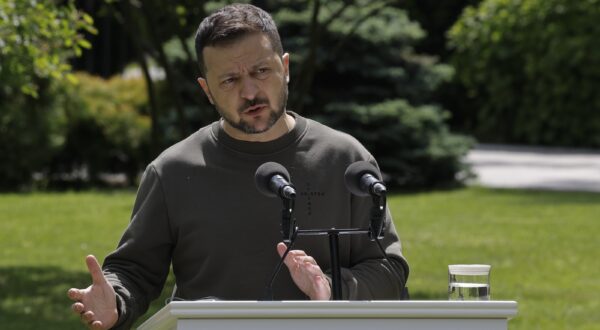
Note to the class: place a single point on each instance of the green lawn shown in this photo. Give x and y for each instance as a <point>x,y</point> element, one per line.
<point>541,245</point>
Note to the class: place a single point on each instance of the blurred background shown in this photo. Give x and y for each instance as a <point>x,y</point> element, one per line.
<point>92,90</point>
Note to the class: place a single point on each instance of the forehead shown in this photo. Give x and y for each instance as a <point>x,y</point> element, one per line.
<point>239,54</point>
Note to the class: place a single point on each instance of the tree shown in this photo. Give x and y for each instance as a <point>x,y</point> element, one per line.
<point>354,67</point>
<point>36,40</point>
<point>435,17</point>
<point>151,25</point>
<point>532,69</point>
<point>355,53</point>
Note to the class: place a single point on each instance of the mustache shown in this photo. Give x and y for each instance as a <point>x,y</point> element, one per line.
<point>249,103</point>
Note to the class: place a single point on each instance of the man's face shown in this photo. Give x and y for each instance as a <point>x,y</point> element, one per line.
<point>247,82</point>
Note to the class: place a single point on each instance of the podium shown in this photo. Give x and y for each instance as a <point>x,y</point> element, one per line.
<point>334,315</point>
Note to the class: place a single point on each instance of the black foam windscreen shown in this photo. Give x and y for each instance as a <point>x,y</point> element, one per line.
<point>263,176</point>
<point>354,174</point>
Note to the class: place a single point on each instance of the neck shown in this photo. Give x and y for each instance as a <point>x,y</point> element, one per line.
<point>283,125</point>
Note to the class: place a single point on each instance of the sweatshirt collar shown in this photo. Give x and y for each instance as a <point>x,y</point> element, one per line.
<point>261,148</point>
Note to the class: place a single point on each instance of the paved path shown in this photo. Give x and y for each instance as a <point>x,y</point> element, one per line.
<point>536,168</point>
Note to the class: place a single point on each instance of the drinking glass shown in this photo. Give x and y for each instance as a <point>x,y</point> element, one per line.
<point>469,282</point>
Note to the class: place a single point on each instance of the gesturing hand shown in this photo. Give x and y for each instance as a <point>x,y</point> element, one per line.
<point>305,272</point>
<point>97,303</point>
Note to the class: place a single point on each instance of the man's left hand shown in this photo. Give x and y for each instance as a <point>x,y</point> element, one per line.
<point>305,272</point>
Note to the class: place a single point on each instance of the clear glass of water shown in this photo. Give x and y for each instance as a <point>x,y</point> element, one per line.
<point>469,282</point>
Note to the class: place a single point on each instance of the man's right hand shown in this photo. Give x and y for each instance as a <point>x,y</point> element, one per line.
<point>96,304</point>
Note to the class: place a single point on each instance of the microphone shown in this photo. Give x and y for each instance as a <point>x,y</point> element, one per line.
<point>272,179</point>
<point>363,179</point>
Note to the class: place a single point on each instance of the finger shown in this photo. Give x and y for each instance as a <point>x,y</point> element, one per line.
<point>292,257</point>
<point>306,260</point>
<point>96,325</point>
<point>281,247</point>
<point>298,253</point>
<point>313,273</point>
<point>289,260</point>
<point>311,269</point>
<point>75,294</point>
<point>88,317</point>
<point>321,288</point>
<point>95,270</point>
<point>78,307</point>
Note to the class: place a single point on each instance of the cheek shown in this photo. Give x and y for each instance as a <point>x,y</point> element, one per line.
<point>274,86</point>
<point>229,104</point>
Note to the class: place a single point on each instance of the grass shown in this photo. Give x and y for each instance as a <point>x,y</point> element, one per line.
<point>541,245</point>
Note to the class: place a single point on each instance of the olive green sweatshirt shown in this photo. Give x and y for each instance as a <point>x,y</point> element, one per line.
<point>198,209</point>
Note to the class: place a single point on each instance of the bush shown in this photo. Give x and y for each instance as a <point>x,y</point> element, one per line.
<point>532,68</point>
<point>107,128</point>
<point>36,40</point>
<point>31,132</point>
<point>413,145</point>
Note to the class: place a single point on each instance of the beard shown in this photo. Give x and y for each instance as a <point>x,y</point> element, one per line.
<point>248,127</point>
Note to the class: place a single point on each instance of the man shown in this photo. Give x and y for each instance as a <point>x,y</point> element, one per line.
<point>198,209</point>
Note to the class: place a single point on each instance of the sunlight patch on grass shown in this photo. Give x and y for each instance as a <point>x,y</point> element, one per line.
<point>542,247</point>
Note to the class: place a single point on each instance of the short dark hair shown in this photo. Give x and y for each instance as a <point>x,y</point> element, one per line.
<point>230,23</point>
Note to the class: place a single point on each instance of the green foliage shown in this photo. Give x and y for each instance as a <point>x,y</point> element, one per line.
<point>412,144</point>
<point>340,51</point>
<point>436,17</point>
<point>532,68</point>
<point>364,52</point>
<point>154,28</point>
<point>107,128</point>
<point>368,81</point>
<point>36,40</point>
<point>31,131</point>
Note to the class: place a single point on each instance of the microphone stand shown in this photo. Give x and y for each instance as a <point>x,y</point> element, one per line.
<point>377,216</point>
<point>288,223</point>
<point>291,232</point>
<point>333,234</point>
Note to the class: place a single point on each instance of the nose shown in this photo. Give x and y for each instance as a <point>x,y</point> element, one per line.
<point>249,88</point>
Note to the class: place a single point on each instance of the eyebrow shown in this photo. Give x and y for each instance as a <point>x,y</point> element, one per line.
<point>258,63</point>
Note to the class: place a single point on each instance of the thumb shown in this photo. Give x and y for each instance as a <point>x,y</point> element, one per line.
<point>95,270</point>
<point>281,247</point>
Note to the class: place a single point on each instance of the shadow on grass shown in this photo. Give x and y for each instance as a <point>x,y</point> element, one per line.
<point>36,297</point>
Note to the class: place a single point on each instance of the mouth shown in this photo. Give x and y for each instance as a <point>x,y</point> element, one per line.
<point>255,109</point>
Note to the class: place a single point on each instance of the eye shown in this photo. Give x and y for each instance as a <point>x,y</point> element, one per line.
<point>262,73</point>
<point>228,83</point>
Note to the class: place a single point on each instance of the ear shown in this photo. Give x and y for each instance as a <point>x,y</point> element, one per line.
<point>204,86</point>
<point>286,66</point>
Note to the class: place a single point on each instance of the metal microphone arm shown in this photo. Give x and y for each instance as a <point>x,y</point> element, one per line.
<point>377,225</point>
<point>288,222</point>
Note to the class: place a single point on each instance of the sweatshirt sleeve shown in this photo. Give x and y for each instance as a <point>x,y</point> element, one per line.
<point>138,268</point>
<point>369,276</point>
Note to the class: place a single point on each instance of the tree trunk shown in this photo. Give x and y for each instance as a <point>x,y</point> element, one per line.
<point>134,32</point>
<point>161,57</point>
<point>301,87</point>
